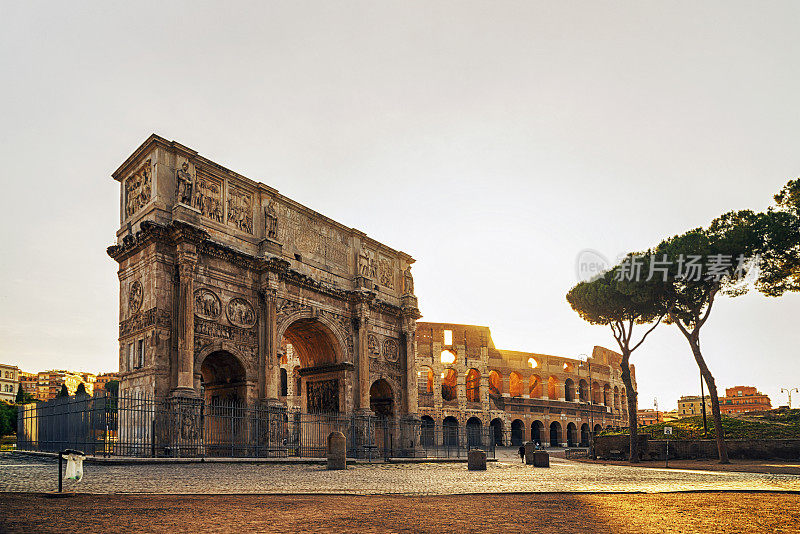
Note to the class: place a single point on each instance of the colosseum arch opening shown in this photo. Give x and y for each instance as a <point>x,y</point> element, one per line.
<point>449,385</point>
<point>569,390</point>
<point>515,384</point>
<point>555,434</point>
<point>537,432</point>
<point>553,388</point>
<point>535,388</point>
<point>495,383</point>
<point>473,385</point>
<point>497,430</point>
<point>583,390</point>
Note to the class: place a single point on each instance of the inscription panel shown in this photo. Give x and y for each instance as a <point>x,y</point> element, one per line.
<point>311,238</point>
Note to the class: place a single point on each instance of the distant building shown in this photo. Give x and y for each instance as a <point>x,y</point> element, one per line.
<point>690,405</point>
<point>648,416</point>
<point>50,382</point>
<point>9,382</point>
<point>29,382</point>
<point>103,379</point>
<point>741,399</point>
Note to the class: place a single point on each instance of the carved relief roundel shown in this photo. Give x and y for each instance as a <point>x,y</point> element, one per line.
<point>241,313</point>
<point>207,304</point>
<point>135,296</point>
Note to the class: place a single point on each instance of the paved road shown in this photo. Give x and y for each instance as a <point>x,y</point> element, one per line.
<point>20,474</point>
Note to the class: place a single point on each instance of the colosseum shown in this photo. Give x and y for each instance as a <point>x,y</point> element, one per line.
<point>464,380</point>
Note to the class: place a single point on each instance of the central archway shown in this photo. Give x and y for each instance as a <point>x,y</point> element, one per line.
<point>319,377</point>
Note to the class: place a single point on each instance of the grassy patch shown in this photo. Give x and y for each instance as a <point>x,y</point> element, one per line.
<point>774,424</point>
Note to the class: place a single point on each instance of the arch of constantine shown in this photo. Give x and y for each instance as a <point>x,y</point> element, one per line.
<point>221,275</point>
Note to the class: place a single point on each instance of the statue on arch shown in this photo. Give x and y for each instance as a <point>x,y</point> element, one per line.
<point>185,183</point>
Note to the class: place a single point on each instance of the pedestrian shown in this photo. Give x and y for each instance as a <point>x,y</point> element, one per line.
<point>522,453</point>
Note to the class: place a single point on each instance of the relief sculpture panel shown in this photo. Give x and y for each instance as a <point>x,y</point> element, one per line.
<point>138,189</point>
<point>241,313</point>
<point>385,272</point>
<point>207,304</point>
<point>240,209</point>
<point>208,197</point>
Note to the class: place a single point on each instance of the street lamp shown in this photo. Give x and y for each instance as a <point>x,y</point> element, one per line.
<point>789,392</point>
<point>588,366</point>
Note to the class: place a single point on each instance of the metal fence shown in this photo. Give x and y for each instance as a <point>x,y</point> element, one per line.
<point>141,426</point>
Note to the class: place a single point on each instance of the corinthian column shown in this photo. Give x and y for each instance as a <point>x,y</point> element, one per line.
<point>410,331</point>
<point>363,358</point>
<point>187,260</point>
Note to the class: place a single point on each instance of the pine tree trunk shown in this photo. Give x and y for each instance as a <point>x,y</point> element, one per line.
<point>632,421</point>
<point>722,447</point>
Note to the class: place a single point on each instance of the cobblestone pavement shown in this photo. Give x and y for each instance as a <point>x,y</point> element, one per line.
<point>549,513</point>
<point>25,474</point>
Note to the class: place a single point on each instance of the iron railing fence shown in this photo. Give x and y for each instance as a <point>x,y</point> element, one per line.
<point>144,426</point>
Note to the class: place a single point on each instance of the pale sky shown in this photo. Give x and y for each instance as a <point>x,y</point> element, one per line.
<point>493,141</point>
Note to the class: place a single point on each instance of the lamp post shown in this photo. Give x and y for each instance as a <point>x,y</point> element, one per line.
<point>789,392</point>
<point>588,366</point>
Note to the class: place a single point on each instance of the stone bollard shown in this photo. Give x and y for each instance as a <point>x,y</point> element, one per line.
<point>476,460</point>
<point>337,451</point>
<point>530,448</point>
<point>541,459</point>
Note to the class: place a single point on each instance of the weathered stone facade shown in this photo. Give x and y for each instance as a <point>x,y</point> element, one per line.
<point>462,377</point>
<point>218,273</point>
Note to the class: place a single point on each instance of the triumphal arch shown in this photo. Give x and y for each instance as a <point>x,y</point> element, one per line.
<point>221,275</point>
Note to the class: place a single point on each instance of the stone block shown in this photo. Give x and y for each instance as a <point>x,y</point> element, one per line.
<point>541,459</point>
<point>337,451</point>
<point>530,449</point>
<point>476,460</point>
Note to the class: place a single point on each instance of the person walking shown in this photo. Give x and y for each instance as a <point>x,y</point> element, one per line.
<point>522,453</point>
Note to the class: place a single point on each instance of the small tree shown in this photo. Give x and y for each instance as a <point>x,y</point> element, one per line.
<point>81,390</point>
<point>63,392</point>
<point>23,397</point>
<point>780,259</point>
<point>621,299</point>
<point>112,386</point>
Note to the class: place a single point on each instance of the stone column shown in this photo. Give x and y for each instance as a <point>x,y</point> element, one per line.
<point>187,261</point>
<point>273,365</point>
<point>412,389</point>
<point>363,358</point>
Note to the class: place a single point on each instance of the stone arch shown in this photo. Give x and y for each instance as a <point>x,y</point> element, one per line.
<point>555,434</point>
<point>224,377</point>
<point>616,398</point>
<point>597,429</point>
<point>317,341</point>
<point>597,393</point>
<point>585,435</point>
<point>381,398</point>
<point>572,434</point>
<point>552,388</point>
<point>495,383</point>
<point>606,395</point>
<point>472,384</point>
<point>450,431</point>
<point>537,431</point>
<point>535,387</point>
<point>497,430</point>
<point>425,381</point>
<point>515,384</point>
<point>516,432</point>
<point>427,431</point>
<point>583,390</point>
<point>449,385</point>
<point>569,390</point>
<point>474,429</point>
